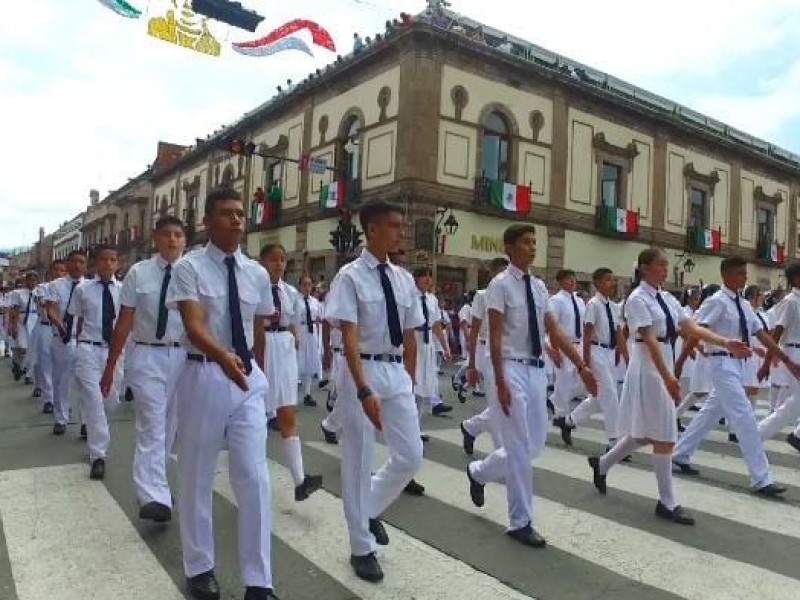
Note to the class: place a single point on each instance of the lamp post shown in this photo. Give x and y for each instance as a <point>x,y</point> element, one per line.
<point>448,225</point>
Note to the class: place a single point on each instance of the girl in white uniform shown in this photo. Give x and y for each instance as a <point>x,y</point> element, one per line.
<point>780,379</point>
<point>280,366</point>
<point>650,392</point>
<point>690,300</point>
<point>308,316</point>
<point>751,382</point>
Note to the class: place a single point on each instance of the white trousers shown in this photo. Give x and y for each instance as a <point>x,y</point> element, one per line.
<point>786,414</point>
<point>43,373</point>
<point>524,433</point>
<point>485,420</point>
<point>727,399</point>
<point>63,356</point>
<point>90,361</point>
<point>152,373</point>
<point>367,496</point>
<point>607,400</point>
<point>210,409</point>
<point>567,386</point>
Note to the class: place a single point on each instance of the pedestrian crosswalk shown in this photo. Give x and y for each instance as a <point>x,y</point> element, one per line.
<point>64,536</point>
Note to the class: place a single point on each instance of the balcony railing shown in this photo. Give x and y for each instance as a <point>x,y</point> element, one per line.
<point>770,251</point>
<point>502,195</point>
<point>617,222</point>
<point>702,239</point>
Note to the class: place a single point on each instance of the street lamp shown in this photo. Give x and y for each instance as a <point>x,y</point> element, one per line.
<point>450,227</point>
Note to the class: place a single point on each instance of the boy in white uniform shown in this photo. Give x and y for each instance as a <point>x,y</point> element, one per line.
<point>520,314</point>
<point>223,298</point>
<point>427,381</point>
<point>23,320</point>
<point>43,334</point>
<point>307,314</point>
<point>153,366</point>
<point>95,305</point>
<point>569,310</point>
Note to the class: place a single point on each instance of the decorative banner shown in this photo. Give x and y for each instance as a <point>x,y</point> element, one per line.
<point>188,30</point>
<point>290,43</point>
<point>122,8</point>
<point>319,36</point>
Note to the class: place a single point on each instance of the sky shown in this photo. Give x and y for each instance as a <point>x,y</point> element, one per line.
<point>85,95</point>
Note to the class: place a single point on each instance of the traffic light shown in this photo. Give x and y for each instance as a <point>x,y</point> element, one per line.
<point>336,240</point>
<point>232,13</point>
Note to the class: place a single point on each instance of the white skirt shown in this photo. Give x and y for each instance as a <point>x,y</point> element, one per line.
<point>701,378</point>
<point>281,370</point>
<point>646,408</point>
<point>309,362</point>
<point>427,373</point>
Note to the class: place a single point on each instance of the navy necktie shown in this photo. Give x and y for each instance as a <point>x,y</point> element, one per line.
<point>67,319</point>
<point>577,314</point>
<point>612,327</point>
<point>672,334</point>
<point>763,322</point>
<point>108,311</point>
<point>309,321</point>
<point>533,320</point>
<point>395,332</point>
<point>276,301</point>
<point>744,330</point>
<point>28,308</point>
<point>163,313</point>
<point>426,336</point>
<point>238,340</point>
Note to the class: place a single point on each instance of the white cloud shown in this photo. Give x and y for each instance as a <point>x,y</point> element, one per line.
<point>87,94</point>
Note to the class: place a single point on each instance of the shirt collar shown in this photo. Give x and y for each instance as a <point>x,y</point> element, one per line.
<point>602,298</point>
<point>515,271</point>
<point>371,260</point>
<point>796,292</point>
<point>649,288</point>
<point>219,256</point>
<point>163,262</point>
<point>733,294</point>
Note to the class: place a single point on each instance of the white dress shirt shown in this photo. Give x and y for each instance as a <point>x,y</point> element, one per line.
<point>202,276</point>
<point>87,302</point>
<point>789,318</point>
<point>597,315</point>
<point>506,294</point>
<point>356,296</point>
<point>58,292</point>
<point>564,311</point>
<point>719,313</point>
<point>643,310</point>
<point>141,290</point>
<point>288,296</point>
<point>432,305</point>
<point>315,308</point>
<point>479,312</point>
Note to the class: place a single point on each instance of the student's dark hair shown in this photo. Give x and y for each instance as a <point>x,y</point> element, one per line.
<point>72,253</point>
<point>102,248</point>
<point>600,273</point>
<point>688,294</point>
<point>373,212</point>
<point>709,290</point>
<point>751,291</point>
<point>305,276</point>
<point>170,221</point>
<point>57,261</point>
<point>217,195</point>
<point>730,263</point>
<point>423,272</point>
<point>516,231</point>
<point>269,248</point>
<point>498,263</point>
<point>792,272</point>
<point>648,255</point>
<point>564,274</point>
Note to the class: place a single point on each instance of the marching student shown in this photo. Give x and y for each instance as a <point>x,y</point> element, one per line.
<point>4,310</point>
<point>426,387</point>
<point>479,367</point>
<point>96,305</point>
<point>690,301</point>
<point>23,320</point>
<point>601,341</point>
<point>464,317</point>
<point>280,367</point>
<point>519,314</point>
<point>372,301</point>
<point>59,299</point>
<point>779,378</point>
<point>308,313</point>
<point>569,310</point>
<point>153,366</point>
<point>43,334</point>
<point>223,298</point>
<point>651,390</point>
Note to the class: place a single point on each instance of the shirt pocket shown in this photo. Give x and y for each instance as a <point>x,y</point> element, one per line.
<point>517,310</point>
<point>248,299</point>
<point>372,319</point>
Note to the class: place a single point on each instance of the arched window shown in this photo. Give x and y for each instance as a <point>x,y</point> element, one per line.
<point>350,149</point>
<point>496,146</point>
<point>423,234</point>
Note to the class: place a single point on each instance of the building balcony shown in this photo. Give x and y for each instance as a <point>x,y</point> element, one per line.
<point>770,252</point>
<point>703,240</point>
<point>614,222</point>
<point>502,196</point>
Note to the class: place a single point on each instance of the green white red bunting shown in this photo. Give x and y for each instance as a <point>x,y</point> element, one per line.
<point>627,221</point>
<point>332,194</point>
<point>510,197</point>
<point>711,240</point>
<point>776,253</point>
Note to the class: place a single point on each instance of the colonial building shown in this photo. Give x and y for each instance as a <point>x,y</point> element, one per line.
<point>469,130</point>
<point>68,237</point>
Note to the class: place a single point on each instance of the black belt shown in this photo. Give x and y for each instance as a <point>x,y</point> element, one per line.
<point>387,358</point>
<point>720,353</point>
<point>606,346</point>
<point>44,323</point>
<point>423,328</point>
<point>92,343</point>
<point>528,362</point>
<point>661,340</point>
<point>336,350</point>
<point>270,329</point>
<point>202,358</point>
<point>792,345</point>
<point>482,342</point>
<point>159,344</point>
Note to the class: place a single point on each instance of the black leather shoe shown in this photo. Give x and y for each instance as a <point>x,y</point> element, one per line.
<point>476,490</point>
<point>424,438</point>
<point>259,593</point>
<point>378,531</point>
<point>771,490</point>
<point>47,409</point>
<point>467,441</point>
<point>677,515</point>
<point>598,478</point>
<point>414,489</point>
<point>155,511</point>
<point>330,436</point>
<point>309,401</point>
<point>98,470</point>
<point>680,426</point>
<point>273,424</point>
<point>441,409</point>
<point>203,586</point>
<point>128,395</point>
<point>28,380</point>
<point>37,392</point>
<point>84,434</point>
<point>323,383</point>
<point>59,429</point>
<point>16,372</point>
<point>310,485</point>
<point>527,536</point>
<point>793,441</point>
<point>367,568</point>
<point>732,438</point>
<point>686,468</point>
<point>478,394</point>
<point>566,429</point>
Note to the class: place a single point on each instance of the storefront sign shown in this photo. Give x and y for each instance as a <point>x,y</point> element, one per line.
<point>488,244</point>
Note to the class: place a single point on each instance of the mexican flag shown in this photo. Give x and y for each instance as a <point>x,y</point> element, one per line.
<point>776,253</point>
<point>510,197</point>
<point>626,221</point>
<point>711,240</point>
<point>332,194</point>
